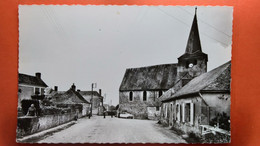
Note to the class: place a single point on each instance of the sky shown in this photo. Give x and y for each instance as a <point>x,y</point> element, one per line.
<point>96,44</point>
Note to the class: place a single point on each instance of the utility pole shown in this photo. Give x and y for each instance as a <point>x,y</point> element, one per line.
<point>92,86</point>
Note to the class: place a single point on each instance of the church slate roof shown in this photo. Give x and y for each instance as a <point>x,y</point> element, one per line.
<point>216,80</point>
<point>30,80</point>
<point>157,77</point>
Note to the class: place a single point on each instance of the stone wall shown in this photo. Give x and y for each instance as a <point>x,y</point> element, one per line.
<point>138,107</point>
<point>153,113</point>
<point>30,125</point>
<point>52,116</point>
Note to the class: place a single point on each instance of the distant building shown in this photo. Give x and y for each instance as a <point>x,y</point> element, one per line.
<point>141,88</point>
<point>202,103</point>
<point>49,92</point>
<point>71,97</point>
<point>30,87</point>
<point>95,99</point>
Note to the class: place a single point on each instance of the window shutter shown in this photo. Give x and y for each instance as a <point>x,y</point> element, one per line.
<point>166,111</point>
<point>183,112</point>
<point>179,112</point>
<point>192,113</point>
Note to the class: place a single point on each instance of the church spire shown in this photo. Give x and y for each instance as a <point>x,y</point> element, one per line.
<point>193,44</point>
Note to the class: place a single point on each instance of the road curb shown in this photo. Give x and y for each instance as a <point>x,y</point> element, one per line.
<point>39,135</point>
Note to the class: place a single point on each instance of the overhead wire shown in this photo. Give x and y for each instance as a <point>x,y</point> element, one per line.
<point>176,18</point>
<point>206,23</point>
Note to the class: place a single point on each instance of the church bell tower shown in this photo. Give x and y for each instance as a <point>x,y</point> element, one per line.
<point>193,62</point>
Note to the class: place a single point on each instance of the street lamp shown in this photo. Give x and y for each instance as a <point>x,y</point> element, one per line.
<point>93,85</point>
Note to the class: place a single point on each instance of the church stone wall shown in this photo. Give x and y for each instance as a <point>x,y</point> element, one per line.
<point>137,106</point>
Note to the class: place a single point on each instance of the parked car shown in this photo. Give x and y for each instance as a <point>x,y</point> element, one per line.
<point>126,115</point>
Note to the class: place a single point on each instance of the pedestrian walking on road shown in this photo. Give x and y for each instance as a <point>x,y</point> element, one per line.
<point>104,114</point>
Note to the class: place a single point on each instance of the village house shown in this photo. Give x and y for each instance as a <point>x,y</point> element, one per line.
<point>201,105</point>
<point>96,100</point>
<point>71,97</point>
<point>30,90</point>
<point>141,88</point>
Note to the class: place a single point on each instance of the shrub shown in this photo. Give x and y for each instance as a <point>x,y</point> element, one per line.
<point>216,138</point>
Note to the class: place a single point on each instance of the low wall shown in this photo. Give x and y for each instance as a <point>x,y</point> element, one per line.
<point>28,125</point>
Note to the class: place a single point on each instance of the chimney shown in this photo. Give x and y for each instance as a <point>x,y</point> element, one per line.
<point>55,88</point>
<point>100,92</point>
<point>73,87</point>
<point>38,75</point>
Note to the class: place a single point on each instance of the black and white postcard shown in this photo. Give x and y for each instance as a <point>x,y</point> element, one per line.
<point>124,74</point>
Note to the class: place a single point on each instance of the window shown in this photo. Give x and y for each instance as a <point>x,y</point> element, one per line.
<point>42,91</point>
<point>160,93</point>
<point>187,112</point>
<point>131,96</point>
<point>144,96</point>
<point>157,108</point>
<point>36,91</point>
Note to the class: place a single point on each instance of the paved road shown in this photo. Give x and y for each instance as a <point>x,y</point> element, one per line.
<point>114,130</point>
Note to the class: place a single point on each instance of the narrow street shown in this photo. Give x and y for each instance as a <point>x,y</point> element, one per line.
<point>114,130</point>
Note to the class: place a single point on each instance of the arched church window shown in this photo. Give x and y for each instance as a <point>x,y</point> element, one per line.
<point>160,93</point>
<point>144,96</point>
<point>131,96</point>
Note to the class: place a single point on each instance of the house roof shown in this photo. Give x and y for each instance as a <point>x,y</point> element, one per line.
<point>215,80</point>
<point>149,78</point>
<point>31,80</point>
<point>87,95</point>
<point>64,97</point>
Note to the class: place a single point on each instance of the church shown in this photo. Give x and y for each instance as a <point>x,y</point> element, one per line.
<point>141,88</point>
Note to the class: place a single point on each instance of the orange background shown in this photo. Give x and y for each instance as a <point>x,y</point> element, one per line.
<point>245,103</point>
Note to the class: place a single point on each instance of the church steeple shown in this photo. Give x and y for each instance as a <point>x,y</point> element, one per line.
<point>193,47</point>
<point>193,62</point>
<point>193,44</point>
